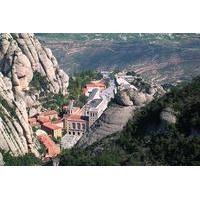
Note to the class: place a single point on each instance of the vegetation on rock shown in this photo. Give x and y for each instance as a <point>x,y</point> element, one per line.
<point>39,82</point>
<point>143,142</point>
<point>25,160</point>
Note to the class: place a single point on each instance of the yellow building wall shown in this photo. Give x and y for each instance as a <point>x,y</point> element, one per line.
<point>57,133</point>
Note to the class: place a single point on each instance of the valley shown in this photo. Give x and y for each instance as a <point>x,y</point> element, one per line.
<point>99,99</point>
<point>165,58</point>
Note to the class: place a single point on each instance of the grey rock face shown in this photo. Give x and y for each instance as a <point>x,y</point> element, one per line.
<point>20,56</point>
<point>123,98</point>
<point>1,160</point>
<point>111,121</point>
<point>168,116</point>
<point>117,115</point>
<point>138,98</point>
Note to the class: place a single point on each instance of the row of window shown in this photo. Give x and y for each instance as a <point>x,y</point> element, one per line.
<point>78,126</point>
<point>93,114</point>
<point>74,133</point>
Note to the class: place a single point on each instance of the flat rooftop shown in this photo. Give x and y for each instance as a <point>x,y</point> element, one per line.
<point>95,102</point>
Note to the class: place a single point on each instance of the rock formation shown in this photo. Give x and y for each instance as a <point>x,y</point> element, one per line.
<point>20,56</point>
<point>111,121</point>
<point>138,98</point>
<point>117,115</point>
<point>123,98</point>
<point>1,160</point>
<point>168,116</point>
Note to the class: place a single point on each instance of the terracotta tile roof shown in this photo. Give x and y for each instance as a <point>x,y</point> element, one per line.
<point>57,121</point>
<point>51,126</point>
<point>76,118</point>
<point>43,120</point>
<point>50,112</point>
<point>95,85</point>
<point>35,124</point>
<point>31,120</point>
<point>53,149</point>
<point>84,90</point>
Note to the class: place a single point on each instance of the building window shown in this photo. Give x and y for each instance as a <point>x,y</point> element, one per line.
<point>78,133</point>
<point>73,133</point>
<point>83,126</point>
<point>74,125</point>
<point>70,132</point>
<point>79,126</point>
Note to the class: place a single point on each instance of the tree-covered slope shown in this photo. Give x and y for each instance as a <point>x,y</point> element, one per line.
<point>165,132</point>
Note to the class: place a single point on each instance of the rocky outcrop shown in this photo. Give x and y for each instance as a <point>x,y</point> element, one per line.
<point>20,56</point>
<point>1,160</point>
<point>123,98</point>
<point>168,116</point>
<point>138,98</point>
<point>128,98</point>
<point>111,121</point>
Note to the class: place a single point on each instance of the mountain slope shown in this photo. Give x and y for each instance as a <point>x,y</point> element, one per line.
<point>165,132</point>
<point>22,57</point>
<point>162,57</point>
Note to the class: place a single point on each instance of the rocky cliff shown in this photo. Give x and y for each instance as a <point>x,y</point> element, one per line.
<point>111,121</point>
<point>115,118</point>
<point>21,55</point>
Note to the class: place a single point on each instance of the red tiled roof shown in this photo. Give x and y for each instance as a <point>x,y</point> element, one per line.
<point>36,124</point>
<point>95,85</point>
<point>53,150</point>
<point>50,112</point>
<point>33,119</point>
<point>43,119</point>
<point>57,121</point>
<point>75,118</point>
<point>51,126</point>
<point>84,90</point>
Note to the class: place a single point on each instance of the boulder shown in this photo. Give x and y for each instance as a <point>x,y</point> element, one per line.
<point>111,121</point>
<point>123,98</point>
<point>168,116</point>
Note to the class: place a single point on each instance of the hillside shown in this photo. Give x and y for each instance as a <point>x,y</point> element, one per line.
<point>164,58</point>
<point>165,132</point>
<point>28,73</point>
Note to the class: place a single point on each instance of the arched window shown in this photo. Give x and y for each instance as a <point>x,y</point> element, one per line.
<point>78,133</point>
<point>70,132</point>
<point>74,125</point>
<point>73,133</point>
